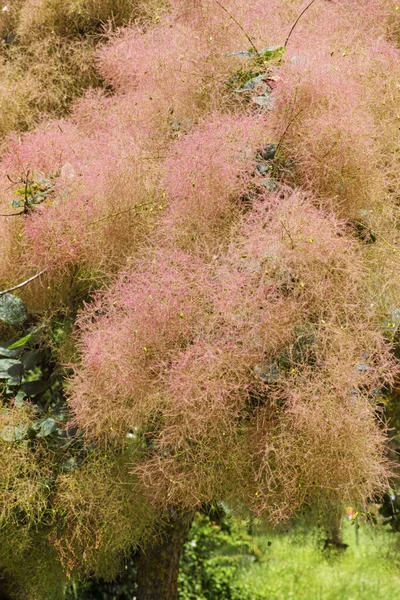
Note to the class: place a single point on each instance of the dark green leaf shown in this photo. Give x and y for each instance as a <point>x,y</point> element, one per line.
<point>32,359</point>
<point>33,388</point>
<point>5,351</point>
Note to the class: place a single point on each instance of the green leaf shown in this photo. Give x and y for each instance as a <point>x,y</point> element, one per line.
<point>272,52</point>
<point>4,351</point>
<point>266,101</point>
<point>19,400</point>
<point>69,465</point>
<point>12,310</point>
<point>22,342</point>
<point>32,359</point>
<point>47,427</point>
<point>242,53</point>
<point>9,433</point>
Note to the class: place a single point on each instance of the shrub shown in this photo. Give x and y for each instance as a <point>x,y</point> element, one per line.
<point>91,177</point>
<point>25,475</point>
<point>239,343</point>
<point>75,17</point>
<point>278,329</point>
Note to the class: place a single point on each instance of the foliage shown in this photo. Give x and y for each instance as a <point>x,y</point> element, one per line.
<point>214,554</point>
<point>74,17</point>
<point>102,515</point>
<point>216,264</point>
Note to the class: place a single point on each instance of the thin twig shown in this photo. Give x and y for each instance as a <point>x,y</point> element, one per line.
<point>240,27</point>
<point>20,285</point>
<point>286,130</point>
<point>14,182</point>
<point>296,21</point>
<point>121,212</point>
<point>287,231</point>
<point>14,214</point>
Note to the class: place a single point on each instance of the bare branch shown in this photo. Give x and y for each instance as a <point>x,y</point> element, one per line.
<point>287,231</point>
<point>24,283</point>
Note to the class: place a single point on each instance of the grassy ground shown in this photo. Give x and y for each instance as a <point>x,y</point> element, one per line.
<point>295,567</point>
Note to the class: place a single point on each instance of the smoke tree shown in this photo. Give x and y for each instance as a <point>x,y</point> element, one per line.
<point>208,251</point>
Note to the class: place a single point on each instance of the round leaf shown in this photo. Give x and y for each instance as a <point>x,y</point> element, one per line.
<point>12,310</point>
<point>7,434</point>
<point>47,427</point>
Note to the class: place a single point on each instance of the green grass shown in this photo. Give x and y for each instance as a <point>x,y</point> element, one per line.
<point>294,566</point>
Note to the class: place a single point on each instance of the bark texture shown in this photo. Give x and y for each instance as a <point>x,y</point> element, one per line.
<point>158,569</point>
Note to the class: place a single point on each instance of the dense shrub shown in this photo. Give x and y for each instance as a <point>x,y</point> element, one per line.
<point>238,208</point>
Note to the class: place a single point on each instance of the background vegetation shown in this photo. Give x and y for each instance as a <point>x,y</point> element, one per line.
<point>223,561</point>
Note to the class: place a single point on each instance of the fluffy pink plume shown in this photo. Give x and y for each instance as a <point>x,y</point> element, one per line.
<point>148,316</point>
<point>208,171</point>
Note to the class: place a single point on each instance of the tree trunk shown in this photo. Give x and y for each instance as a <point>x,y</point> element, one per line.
<point>157,576</point>
<point>4,593</point>
<point>335,540</point>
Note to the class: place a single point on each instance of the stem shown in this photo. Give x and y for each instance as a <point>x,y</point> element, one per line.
<point>287,231</point>
<point>121,212</point>
<point>296,21</point>
<point>240,27</point>
<point>20,285</point>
